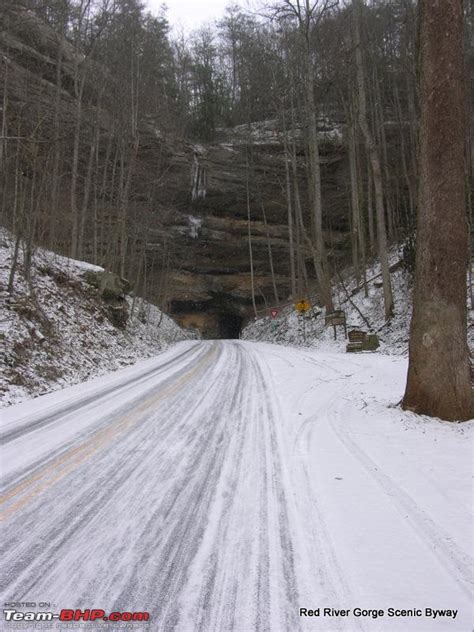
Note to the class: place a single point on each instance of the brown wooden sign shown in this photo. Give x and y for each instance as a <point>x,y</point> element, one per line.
<point>337,317</point>
<point>357,335</point>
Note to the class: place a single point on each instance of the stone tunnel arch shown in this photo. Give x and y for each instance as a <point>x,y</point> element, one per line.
<point>213,319</point>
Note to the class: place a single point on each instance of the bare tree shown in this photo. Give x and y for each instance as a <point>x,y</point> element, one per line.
<point>374,158</point>
<point>249,232</point>
<point>308,15</point>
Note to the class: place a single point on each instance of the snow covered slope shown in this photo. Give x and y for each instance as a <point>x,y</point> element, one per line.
<point>69,339</point>
<point>290,328</point>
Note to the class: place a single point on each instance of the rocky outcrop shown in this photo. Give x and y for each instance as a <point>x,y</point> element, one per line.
<point>210,269</point>
<point>113,290</point>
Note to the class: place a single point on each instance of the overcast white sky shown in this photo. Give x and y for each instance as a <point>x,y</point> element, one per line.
<point>191,14</point>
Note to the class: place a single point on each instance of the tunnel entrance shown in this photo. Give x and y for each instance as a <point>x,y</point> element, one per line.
<point>209,321</point>
<point>229,325</point>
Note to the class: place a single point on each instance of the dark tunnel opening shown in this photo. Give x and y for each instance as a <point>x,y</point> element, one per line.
<point>229,325</point>
<point>213,319</point>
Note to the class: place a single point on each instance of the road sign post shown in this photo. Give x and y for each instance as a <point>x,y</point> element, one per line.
<point>336,318</point>
<point>302,307</point>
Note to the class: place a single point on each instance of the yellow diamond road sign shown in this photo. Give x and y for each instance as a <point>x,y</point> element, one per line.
<point>303,306</point>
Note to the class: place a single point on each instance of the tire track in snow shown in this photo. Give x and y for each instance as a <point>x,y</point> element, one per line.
<point>204,510</point>
<point>241,588</point>
<point>218,565</point>
<point>36,468</point>
<point>316,539</point>
<point>104,484</point>
<point>61,410</point>
<point>198,489</point>
<point>456,561</point>
<point>280,498</point>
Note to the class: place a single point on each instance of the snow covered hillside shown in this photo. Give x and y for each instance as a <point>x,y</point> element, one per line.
<point>66,335</point>
<point>365,312</point>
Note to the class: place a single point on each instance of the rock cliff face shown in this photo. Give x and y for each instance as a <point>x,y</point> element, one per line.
<point>199,210</point>
<point>210,281</point>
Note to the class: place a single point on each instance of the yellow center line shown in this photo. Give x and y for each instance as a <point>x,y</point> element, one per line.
<point>101,438</point>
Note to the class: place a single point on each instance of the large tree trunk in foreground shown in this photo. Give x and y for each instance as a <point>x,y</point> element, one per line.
<point>438,375</point>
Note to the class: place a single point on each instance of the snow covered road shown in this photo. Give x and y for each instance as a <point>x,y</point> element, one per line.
<point>224,485</point>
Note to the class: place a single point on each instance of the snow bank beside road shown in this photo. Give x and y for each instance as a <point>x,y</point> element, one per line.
<point>290,328</point>
<point>389,492</point>
<point>69,339</point>
<point>293,329</point>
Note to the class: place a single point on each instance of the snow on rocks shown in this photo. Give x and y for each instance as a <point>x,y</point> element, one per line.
<point>195,224</point>
<point>65,336</point>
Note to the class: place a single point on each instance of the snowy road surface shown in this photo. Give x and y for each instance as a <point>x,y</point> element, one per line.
<point>225,485</point>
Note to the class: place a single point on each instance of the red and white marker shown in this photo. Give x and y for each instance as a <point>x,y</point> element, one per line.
<point>274,313</point>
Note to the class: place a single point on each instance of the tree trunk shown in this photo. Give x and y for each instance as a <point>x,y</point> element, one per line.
<point>438,375</point>
<point>321,264</point>
<point>3,139</point>
<point>376,168</point>
<point>289,207</point>
<point>383,156</point>
<point>249,233</point>
<point>270,254</point>
<point>357,231</point>
<point>57,151</point>
<point>370,210</point>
